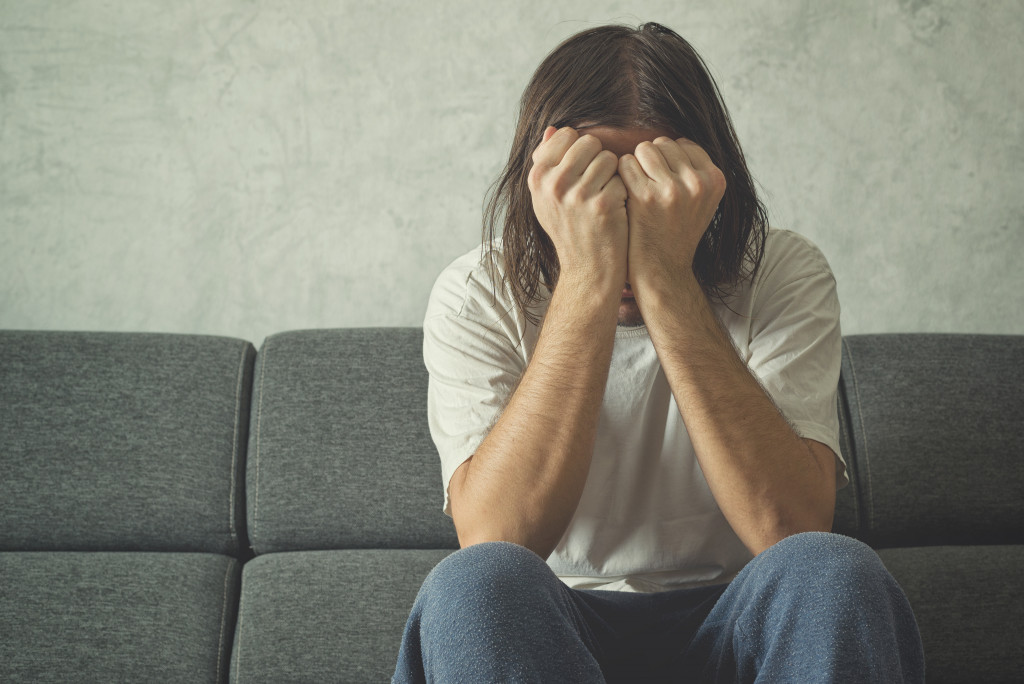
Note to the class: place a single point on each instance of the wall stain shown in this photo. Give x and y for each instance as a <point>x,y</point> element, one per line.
<point>924,19</point>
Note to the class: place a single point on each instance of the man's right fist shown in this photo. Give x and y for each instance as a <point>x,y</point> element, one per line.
<point>580,202</point>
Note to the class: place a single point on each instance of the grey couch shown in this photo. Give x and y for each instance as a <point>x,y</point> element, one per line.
<point>183,508</point>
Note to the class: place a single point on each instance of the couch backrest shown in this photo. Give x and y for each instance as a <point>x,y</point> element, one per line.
<point>113,442</point>
<point>933,432</point>
<point>340,456</point>
<point>113,447</point>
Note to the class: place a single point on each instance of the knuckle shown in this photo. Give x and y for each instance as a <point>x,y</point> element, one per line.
<point>672,193</point>
<point>561,185</point>
<point>588,142</point>
<point>533,178</point>
<point>568,133</point>
<point>718,182</point>
<point>574,195</point>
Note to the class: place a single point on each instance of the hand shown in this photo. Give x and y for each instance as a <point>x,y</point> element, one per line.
<point>674,190</point>
<point>580,202</point>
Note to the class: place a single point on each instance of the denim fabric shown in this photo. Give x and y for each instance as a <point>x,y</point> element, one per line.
<point>815,607</point>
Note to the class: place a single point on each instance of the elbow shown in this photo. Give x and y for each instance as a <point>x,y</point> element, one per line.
<point>479,520</point>
<point>778,527</point>
<point>470,534</point>
<point>474,526</point>
<point>478,530</point>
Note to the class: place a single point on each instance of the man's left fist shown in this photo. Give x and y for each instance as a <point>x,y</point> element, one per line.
<point>673,192</point>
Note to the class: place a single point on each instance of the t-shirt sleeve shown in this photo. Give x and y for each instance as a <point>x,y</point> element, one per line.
<point>795,341</point>
<point>474,365</point>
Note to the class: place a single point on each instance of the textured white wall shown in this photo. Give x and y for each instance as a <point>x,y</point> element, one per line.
<point>242,168</point>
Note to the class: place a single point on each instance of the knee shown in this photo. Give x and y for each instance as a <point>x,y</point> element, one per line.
<point>501,563</point>
<point>823,560</point>
<point>824,547</point>
<point>484,575</point>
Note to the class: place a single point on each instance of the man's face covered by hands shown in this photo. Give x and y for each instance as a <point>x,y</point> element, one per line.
<point>626,204</point>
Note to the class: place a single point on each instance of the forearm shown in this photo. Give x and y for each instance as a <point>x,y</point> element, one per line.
<point>525,480</point>
<point>764,477</point>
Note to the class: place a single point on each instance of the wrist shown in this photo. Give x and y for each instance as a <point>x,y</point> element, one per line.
<point>596,279</point>
<point>589,291</point>
<point>673,287</point>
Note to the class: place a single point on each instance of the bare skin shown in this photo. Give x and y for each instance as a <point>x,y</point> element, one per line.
<point>625,209</point>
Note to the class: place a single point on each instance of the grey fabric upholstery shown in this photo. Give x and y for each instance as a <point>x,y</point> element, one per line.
<point>937,426</point>
<point>340,454</point>
<point>116,617</point>
<point>326,616</point>
<point>122,441</point>
<point>138,444</point>
<point>967,600</point>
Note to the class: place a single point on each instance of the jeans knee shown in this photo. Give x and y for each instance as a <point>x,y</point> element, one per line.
<point>490,562</point>
<point>826,561</point>
<point>824,545</point>
<point>484,575</point>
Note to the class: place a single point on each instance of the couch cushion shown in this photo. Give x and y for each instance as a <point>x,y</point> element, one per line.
<point>968,606</point>
<point>322,616</point>
<point>122,441</point>
<point>937,424</point>
<point>116,617</point>
<point>340,455</point>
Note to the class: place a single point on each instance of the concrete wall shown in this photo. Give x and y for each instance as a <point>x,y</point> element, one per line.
<point>241,168</point>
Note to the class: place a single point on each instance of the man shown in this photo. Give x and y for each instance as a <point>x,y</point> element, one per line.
<point>637,385</point>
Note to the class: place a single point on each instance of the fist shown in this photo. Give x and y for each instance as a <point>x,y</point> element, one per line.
<point>580,202</point>
<point>673,193</point>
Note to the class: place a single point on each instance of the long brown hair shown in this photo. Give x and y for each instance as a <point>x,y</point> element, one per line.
<point>618,76</point>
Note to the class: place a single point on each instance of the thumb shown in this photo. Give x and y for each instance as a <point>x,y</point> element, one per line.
<point>548,132</point>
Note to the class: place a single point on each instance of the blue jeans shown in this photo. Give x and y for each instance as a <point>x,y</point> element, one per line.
<point>815,607</point>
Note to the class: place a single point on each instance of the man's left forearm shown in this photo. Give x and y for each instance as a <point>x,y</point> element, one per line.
<point>768,481</point>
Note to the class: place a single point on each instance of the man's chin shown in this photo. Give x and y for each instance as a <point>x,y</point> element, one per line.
<point>629,314</point>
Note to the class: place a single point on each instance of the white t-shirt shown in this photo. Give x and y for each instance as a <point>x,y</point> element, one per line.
<point>646,520</point>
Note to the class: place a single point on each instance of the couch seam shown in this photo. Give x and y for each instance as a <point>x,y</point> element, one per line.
<point>259,419</point>
<point>238,633</point>
<point>223,620</point>
<point>234,450</point>
<point>864,438</point>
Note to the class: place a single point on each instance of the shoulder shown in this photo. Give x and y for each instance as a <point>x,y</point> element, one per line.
<point>794,276</point>
<point>790,256</point>
<point>471,304</point>
<point>472,277</point>
<point>473,287</point>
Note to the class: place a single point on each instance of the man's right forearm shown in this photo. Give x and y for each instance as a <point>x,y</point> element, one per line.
<point>525,480</point>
